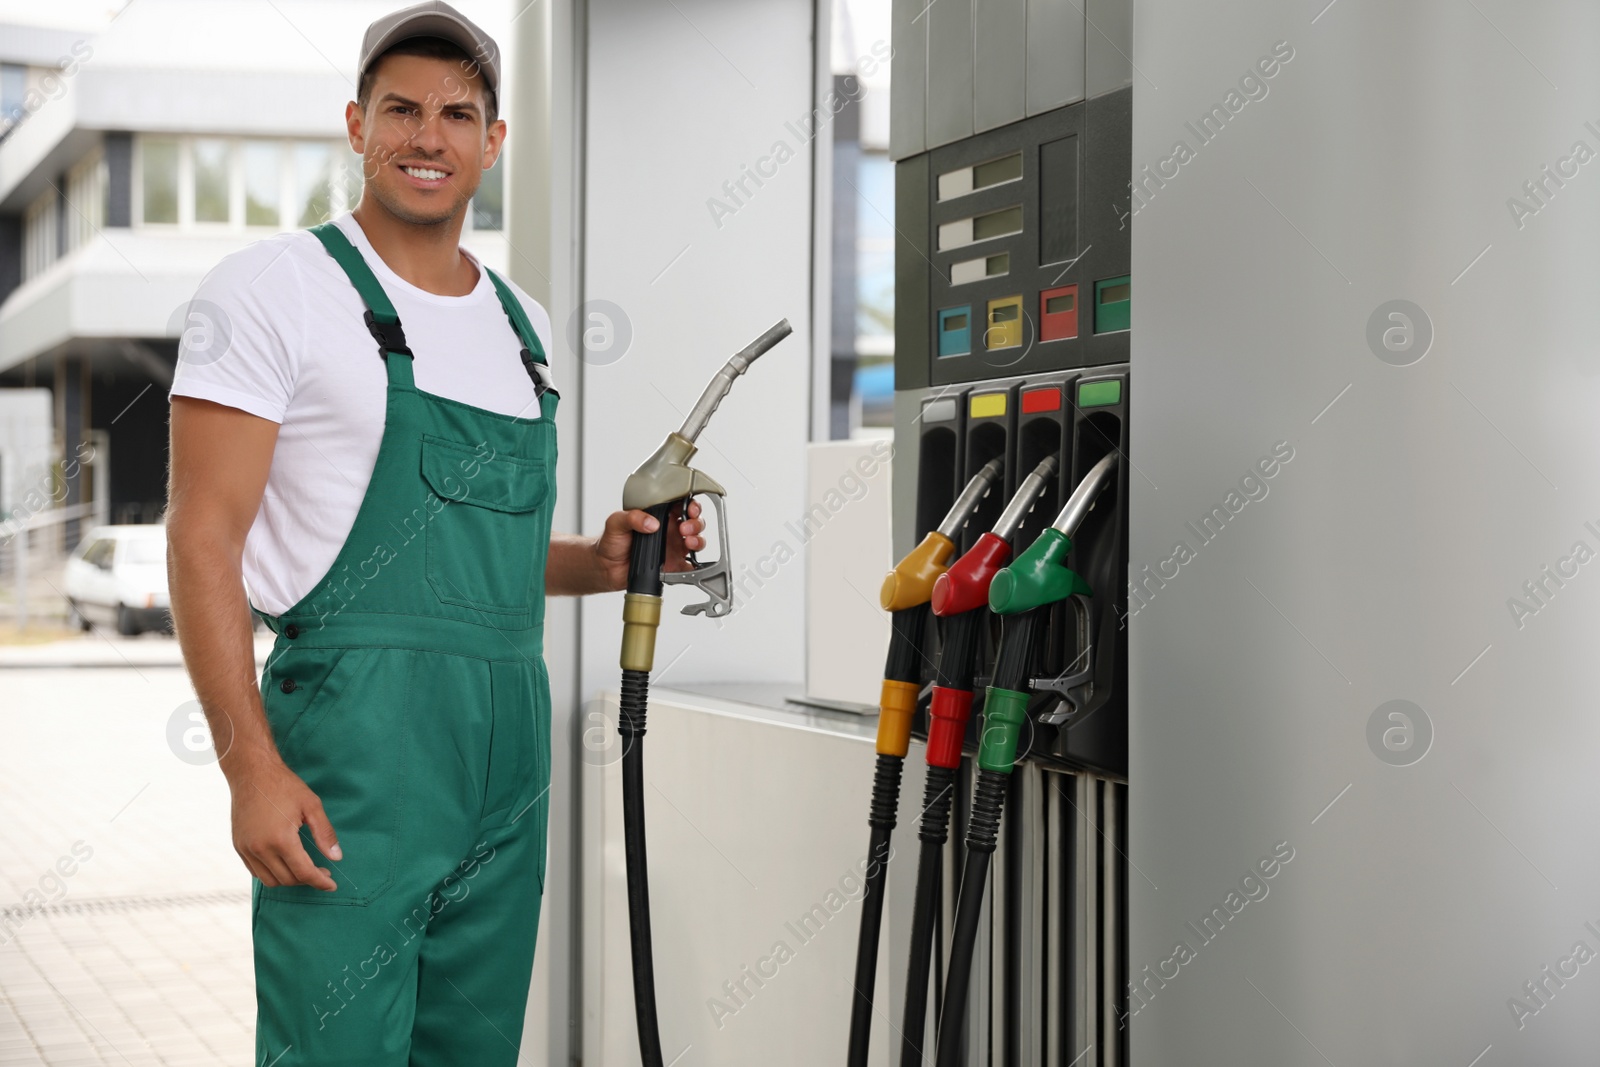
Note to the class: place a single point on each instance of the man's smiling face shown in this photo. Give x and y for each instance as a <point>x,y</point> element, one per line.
<point>422,137</point>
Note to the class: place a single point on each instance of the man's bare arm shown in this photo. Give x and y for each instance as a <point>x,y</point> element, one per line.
<point>220,458</point>
<point>572,568</point>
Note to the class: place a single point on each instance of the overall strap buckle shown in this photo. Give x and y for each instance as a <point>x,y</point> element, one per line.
<point>543,380</point>
<point>389,335</point>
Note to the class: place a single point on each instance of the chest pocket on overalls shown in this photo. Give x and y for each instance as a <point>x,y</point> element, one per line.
<point>484,541</point>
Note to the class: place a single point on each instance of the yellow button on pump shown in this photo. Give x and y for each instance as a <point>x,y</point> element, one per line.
<point>986,405</point>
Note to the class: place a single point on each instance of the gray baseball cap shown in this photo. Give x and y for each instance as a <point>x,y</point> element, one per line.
<point>435,18</point>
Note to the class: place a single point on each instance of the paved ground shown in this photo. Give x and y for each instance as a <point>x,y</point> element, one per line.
<point>124,913</point>
<point>100,648</point>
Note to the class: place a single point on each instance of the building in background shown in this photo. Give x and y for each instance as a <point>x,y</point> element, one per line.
<point>139,147</point>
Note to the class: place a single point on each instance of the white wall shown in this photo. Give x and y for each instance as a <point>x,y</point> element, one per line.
<point>848,553</point>
<point>1380,564</point>
<point>679,97</point>
<point>741,851</point>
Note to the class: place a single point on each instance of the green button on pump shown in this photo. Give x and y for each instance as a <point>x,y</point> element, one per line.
<point>1099,394</point>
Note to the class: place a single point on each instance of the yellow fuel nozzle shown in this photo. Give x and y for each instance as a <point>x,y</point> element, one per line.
<point>911,581</point>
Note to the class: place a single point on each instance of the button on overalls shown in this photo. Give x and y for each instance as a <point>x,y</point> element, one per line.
<point>408,689</point>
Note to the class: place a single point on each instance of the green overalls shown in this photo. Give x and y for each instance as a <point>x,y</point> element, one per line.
<point>408,689</point>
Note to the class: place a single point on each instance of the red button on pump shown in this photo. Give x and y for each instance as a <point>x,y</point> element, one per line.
<point>965,585</point>
<point>1058,313</point>
<point>1048,399</point>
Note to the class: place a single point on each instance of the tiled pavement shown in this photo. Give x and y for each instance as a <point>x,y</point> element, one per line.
<point>140,954</point>
<point>149,985</point>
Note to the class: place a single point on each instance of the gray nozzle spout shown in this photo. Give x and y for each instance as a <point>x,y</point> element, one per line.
<point>1022,502</point>
<point>1083,496</point>
<point>723,381</point>
<point>977,488</point>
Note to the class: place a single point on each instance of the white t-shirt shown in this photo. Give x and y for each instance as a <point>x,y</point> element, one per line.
<point>291,345</point>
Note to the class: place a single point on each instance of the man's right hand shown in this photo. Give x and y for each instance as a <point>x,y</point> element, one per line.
<point>270,804</point>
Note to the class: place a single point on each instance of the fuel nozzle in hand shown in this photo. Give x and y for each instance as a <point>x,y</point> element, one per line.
<point>661,483</point>
<point>664,481</point>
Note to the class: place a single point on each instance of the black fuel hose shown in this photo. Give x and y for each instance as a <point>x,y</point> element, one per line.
<point>646,559</point>
<point>1017,639</point>
<point>957,658</point>
<point>903,666</point>
<point>925,912</point>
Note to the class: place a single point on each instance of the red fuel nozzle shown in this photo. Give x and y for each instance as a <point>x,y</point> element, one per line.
<point>965,585</point>
<point>962,588</point>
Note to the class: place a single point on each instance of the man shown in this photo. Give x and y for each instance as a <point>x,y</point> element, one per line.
<point>367,438</point>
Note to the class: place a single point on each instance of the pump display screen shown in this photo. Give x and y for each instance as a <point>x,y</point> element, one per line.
<point>1010,224</point>
<point>980,176</point>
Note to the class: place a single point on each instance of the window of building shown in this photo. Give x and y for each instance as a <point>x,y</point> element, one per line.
<point>39,242</point>
<point>86,200</point>
<point>212,178</point>
<point>313,183</point>
<point>76,213</point>
<point>13,93</point>
<point>351,177</point>
<point>243,182</point>
<point>263,183</point>
<point>488,204</point>
<point>158,176</point>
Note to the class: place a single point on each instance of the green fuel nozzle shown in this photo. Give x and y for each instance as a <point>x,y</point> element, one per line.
<point>1037,578</point>
<point>664,481</point>
<point>1040,575</point>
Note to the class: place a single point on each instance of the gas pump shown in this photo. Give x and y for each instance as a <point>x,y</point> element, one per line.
<point>961,602</point>
<point>1013,297</point>
<point>662,482</point>
<point>1021,594</point>
<point>906,593</point>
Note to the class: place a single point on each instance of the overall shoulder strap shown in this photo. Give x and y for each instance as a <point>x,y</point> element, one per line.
<point>382,321</point>
<point>533,358</point>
